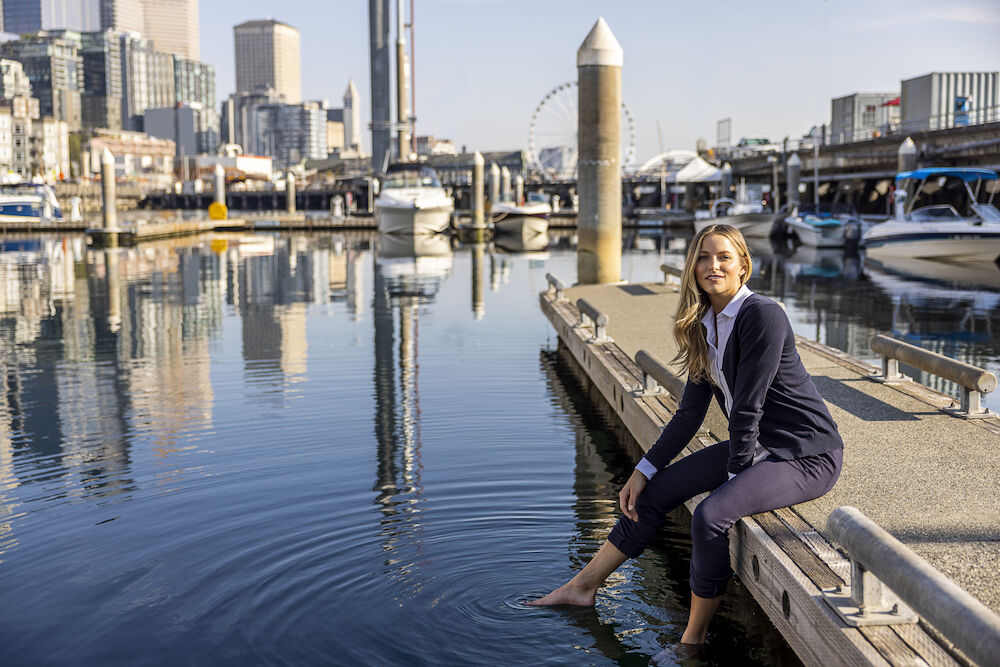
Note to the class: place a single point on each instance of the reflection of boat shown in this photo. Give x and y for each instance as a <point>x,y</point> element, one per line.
<point>936,229</point>
<point>975,275</point>
<point>536,206</point>
<point>414,267</point>
<point>535,245</point>
<point>521,225</point>
<point>414,245</point>
<point>28,202</point>
<point>412,201</point>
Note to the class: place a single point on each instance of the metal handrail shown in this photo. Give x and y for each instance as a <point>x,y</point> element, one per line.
<point>657,379</point>
<point>555,285</point>
<point>973,380</point>
<point>671,270</point>
<point>880,558</point>
<point>598,318</point>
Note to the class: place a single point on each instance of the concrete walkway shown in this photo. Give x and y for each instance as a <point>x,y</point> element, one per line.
<point>930,479</point>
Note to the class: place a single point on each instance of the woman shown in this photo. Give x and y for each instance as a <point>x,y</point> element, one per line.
<point>783,445</point>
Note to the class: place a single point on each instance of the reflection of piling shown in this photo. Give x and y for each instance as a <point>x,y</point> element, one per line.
<point>220,185</point>
<point>599,69</point>
<point>494,183</point>
<point>290,193</point>
<point>478,252</point>
<point>793,174</point>
<point>907,155</point>
<point>519,189</point>
<point>114,294</point>
<point>478,205</point>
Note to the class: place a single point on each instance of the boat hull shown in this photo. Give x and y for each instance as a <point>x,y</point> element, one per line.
<point>968,244</point>
<point>410,220</point>
<point>751,225</point>
<point>817,236</point>
<point>523,226</point>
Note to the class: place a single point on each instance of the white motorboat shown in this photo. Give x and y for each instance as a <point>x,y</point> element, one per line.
<point>28,202</point>
<point>535,206</point>
<point>926,223</point>
<point>826,227</point>
<point>412,201</point>
<point>744,213</point>
<point>522,226</point>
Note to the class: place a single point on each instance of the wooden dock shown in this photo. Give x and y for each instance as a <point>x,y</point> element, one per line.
<point>941,499</point>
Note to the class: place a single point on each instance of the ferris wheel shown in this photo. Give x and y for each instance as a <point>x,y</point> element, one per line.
<point>552,134</point>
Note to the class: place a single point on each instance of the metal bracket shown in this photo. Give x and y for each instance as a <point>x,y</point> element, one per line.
<point>890,372</point>
<point>971,406</point>
<point>868,602</point>
<point>650,387</point>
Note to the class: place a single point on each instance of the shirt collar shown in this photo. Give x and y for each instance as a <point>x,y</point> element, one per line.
<point>732,308</point>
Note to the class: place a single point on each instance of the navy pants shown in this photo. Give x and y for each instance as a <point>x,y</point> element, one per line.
<point>765,486</point>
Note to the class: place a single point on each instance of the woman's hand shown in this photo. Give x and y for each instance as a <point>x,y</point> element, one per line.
<point>630,494</point>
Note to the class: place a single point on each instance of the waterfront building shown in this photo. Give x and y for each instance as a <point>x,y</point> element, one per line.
<point>172,25</point>
<point>28,16</point>
<point>122,15</point>
<point>862,116</point>
<point>352,118</point>
<point>267,58</point>
<point>427,145</point>
<point>941,100</point>
<point>194,86</point>
<point>102,79</point>
<point>53,64</point>
<point>6,141</point>
<point>334,131</point>
<point>139,158</point>
<point>177,123</point>
<point>237,112</point>
<point>147,80</point>
<point>13,81</point>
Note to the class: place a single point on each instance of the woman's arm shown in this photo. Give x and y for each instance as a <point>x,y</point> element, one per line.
<point>683,425</point>
<point>760,335</point>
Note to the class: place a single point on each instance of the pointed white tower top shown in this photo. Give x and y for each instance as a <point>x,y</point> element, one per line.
<point>600,47</point>
<point>352,91</point>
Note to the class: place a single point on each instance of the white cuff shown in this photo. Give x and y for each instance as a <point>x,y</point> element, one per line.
<point>646,468</point>
<point>731,475</point>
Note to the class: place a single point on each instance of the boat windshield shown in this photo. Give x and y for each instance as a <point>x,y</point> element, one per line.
<point>410,176</point>
<point>987,212</point>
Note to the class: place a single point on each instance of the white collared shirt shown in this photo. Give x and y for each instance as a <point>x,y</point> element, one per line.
<point>718,329</point>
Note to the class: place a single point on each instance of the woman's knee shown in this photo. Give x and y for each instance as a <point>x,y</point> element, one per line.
<point>710,519</point>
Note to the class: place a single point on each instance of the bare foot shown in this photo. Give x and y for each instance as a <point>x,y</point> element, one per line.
<point>566,594</point>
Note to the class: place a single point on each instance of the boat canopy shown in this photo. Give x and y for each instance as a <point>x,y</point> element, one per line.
<point>967,174</point>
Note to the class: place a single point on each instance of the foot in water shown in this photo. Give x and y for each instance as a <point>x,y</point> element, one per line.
<point>565,594</point>
<point>686,655</point>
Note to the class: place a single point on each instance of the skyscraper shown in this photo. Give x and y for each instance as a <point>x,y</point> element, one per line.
<point>23,16</point>
<point>172,25</point>
<point>122,15</point>
<point>267,58</point>
<point>352,117</point>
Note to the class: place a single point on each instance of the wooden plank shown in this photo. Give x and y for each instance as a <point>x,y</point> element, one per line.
<point>805,531</point>
<point>811,564</point>
<point>889,644</point>
<point>925,645</point>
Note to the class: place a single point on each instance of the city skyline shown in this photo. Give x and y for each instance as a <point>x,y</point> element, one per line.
<point>773,68</point>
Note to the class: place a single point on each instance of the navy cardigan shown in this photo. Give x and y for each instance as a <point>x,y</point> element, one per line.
<point>774,400</point>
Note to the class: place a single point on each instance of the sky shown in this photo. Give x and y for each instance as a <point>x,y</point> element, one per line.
<point>483,66</point>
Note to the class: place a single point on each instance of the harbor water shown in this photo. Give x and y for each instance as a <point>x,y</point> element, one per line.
<point>352,449</point>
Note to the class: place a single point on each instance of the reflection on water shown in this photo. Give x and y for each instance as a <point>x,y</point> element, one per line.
<point>284,448</point>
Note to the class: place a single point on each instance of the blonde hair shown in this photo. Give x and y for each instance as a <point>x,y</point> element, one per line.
<point>692,354</point>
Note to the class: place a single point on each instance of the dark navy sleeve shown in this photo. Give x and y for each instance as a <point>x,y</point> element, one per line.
<point>760,337</point>
<point>683,425</point>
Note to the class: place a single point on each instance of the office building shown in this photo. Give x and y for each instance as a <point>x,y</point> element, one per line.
<point>194,86</point>
<point>6,140</point>
<point>267,58</point>
<point>122,15</point>
<point>941,100</point>
<point>172,25</point>
<point>49,147</point>
<point>26,16</point>
<point>334,131</point>
<point>176,123</point>
<point>52,62</point>
<point>147,80</point>
<point>102,79</point>
<point>289,133</point>
<point>862,116</point>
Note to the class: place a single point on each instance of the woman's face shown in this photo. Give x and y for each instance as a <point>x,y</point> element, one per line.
<point>718,269</point>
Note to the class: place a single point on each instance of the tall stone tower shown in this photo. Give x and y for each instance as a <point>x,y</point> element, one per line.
<point>352,118</point>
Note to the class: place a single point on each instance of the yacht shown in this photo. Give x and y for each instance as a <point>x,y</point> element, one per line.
<point>927,225</point>
<point>412,201</point>
<point>28,202</point>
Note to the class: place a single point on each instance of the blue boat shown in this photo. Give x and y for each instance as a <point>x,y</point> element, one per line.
<point>28,202</point>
